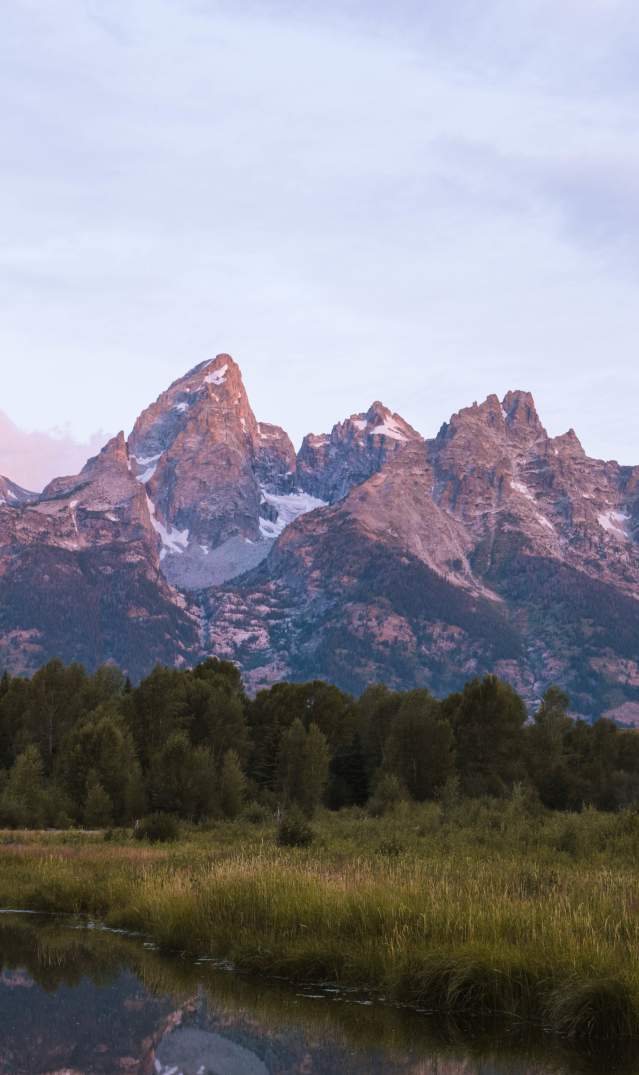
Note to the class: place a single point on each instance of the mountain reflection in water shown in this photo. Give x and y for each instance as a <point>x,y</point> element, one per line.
<point>85,1001</point>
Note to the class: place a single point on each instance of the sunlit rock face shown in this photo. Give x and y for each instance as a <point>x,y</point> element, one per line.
<point>217,481</point>
<point>372,555</point>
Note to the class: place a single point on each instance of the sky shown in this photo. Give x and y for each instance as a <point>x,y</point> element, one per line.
<point>418,202</point>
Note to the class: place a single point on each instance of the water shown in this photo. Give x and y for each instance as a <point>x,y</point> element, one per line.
<point>84,1001</point>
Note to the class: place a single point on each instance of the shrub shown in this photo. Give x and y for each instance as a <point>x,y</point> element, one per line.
<point>294,830</point>
<point>568,840</point>
<point>157,828</point>
<point>387,795</point>
<point>391,847</point>
<point>256,814</point>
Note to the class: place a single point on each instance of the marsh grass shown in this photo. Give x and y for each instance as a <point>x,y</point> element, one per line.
<point>483,915</point>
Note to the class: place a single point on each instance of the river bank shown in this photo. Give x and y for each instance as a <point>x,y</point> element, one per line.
<point>531,919</point>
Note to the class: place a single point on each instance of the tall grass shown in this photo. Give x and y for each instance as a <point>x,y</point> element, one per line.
<point>468,916</point>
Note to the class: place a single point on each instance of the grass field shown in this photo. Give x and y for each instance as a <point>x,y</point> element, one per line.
<point>479,910</point>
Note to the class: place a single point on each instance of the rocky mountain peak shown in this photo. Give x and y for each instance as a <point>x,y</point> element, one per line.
<point>329,465</point>
<point>275,460</point>
<point>210,396</point>
<point>12,494</point>
<point>220,487</point>
<point>514,416</point>
<point>566,444</point>
<point>114,453</point>
<point>521,413</point>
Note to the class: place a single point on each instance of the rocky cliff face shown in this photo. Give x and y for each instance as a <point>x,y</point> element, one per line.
<point>331,464</point>
<point>373,555</point>
<point>13,494</point>
<point>79,575</point>
<point>213,476</point>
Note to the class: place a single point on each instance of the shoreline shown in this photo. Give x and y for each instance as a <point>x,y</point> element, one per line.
<point>541,942</point>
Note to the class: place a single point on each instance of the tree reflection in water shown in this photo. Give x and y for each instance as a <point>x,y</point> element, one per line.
<point>103,1002</point>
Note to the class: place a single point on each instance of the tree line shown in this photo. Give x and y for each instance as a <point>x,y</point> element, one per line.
<point>92,750</point>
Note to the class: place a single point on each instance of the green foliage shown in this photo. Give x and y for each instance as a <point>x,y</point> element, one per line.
<point>24,798</point>
<point>388,792</point>
<point>232,785</point>
<point>157,828</point>
<point>488,718</point>
<point>603,1010</point>
<point>189,742</point>
<point>182,778</point>
<point>98,809</point>
<point>420,747</point>
<point>304,765</point>
<point>256,814</point>
<point>294,830</point>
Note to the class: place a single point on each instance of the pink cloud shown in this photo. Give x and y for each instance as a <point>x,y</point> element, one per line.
<point>33,459</point>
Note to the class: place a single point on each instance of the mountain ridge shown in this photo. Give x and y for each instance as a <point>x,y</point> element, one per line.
<point>371,553</point>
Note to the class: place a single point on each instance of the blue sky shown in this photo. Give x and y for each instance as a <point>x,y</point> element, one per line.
<point>418,202</point>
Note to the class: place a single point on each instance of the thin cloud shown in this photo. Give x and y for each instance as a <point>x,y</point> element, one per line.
<point>33,459</point>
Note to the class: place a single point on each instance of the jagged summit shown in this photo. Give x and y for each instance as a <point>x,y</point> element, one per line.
<point>217,482</point>
<point>330,464</point>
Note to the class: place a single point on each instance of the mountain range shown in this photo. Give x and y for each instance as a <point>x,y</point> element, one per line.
<point>372,554</point>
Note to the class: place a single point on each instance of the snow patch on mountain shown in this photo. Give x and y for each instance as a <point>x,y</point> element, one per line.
<point>614,522</point>
<point>218,376</point>
<point>150,462</point>
<point>388,428</point>
<point>173,540</point>
<point>519,487</point>
<point>289,506</point>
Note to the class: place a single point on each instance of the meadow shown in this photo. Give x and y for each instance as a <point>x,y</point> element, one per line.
<point>485,908</point>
